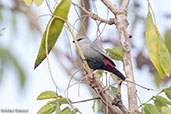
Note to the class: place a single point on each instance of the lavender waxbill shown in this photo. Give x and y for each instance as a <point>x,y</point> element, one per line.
<point>96,58</point>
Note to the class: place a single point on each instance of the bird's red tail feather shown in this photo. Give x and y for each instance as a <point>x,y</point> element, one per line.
<point>111,68</point>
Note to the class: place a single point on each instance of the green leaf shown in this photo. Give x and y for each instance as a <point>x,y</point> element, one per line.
<point>161,101</point>
<point>54,30</point>
<point>152,38</point>
<point>94,101</point>
<point>63,100</point>
<point>58,110</point>
<point>38,2</point>
<point>66,110</point>
<point>165,110</point>
<point>52,102</point>
<point>167,37</point>
<point>157,79</point>
<point>140,112</point>
<point>115,53</point>
<point>75,110</point>
<point>100,106</point>
<point>164,57</point>
<point>47,109</point>
<point>150,109</point>
<point>168,92</point>
<point>47,95</point>
<point>28,2</point>
<point>114,91</point>
<point>114,77</point>
<point>99,73</point>
<point>93,107</point>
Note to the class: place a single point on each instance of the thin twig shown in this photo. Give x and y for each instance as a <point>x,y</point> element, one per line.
<point>138,98</point>
<point>96,17</point>
<point>85,100</point>
<point>151,98</point>
<point>82,101</point>
<point>79,85</point>
<point>48,5</point>
<point>120,103</point>
<point>68,88</point>
<point>79,18</point>
<point>46,47</point>
<point>139,85</point>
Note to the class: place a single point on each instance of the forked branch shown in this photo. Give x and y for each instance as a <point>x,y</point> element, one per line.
<point>122,23</point>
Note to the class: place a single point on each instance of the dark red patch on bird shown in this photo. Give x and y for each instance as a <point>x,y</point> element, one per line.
<point>111,68</point>
<point>108,65</point>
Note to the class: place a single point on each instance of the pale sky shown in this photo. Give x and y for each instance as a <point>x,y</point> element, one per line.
<point>26,48</point>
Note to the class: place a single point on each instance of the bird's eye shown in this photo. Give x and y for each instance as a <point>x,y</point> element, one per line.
<point>78,40</point>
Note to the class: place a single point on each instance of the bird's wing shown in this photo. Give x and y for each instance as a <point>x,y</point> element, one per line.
<point>96,47</point>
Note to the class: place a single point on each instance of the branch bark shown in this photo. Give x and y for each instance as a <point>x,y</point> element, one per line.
<point>122,23</point>
<point>94,16</point>
<point>104,95</point>
<point>84,21</point>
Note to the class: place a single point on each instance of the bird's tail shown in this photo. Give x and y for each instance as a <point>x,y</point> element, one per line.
<point>111,68</point>
<point>117,73</point>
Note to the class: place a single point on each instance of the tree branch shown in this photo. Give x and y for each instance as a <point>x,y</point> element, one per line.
<point>84,20</point>
<point>125,4</point>
<point>96,17</point>
<point>110,6</point>
<point>118,100</point>
<point>122,23</point>
<point>104,95</point>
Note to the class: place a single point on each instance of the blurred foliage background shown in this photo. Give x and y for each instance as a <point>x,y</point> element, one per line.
<point>12,12</point>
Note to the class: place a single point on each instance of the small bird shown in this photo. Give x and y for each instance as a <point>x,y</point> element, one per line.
<point>96,58</point>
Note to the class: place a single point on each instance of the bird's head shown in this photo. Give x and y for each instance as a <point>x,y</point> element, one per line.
<point>82,40</point>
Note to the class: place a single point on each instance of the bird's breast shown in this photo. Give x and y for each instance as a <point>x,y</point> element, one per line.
<point>93,58</point>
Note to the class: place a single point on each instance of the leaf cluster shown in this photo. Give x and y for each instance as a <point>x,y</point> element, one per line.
<point>157,49</point>
<point>29,2</point>
<point>161,104</point>
<point>55,104</point>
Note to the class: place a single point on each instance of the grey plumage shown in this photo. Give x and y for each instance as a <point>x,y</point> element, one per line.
<point>96,58</point>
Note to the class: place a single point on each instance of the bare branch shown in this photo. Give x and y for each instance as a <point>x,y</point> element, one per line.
<point>104,95</point>
<point>96,17</point>
<point>111,6</point>
<point>118,101</point>
<point>122,23</point>
<point>84,22</point>
<point>84,100</point>
<point>125,4</point>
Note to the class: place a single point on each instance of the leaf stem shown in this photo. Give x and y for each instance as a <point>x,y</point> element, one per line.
<point>46,47</point>
<point>79,51</point>
<point>151,98</point>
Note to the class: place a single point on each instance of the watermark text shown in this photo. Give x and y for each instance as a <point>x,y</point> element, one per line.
<point>16,110</point>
